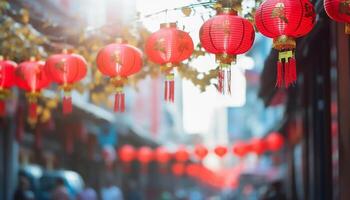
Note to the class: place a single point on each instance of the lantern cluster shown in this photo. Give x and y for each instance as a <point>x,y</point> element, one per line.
<point>284,21</point>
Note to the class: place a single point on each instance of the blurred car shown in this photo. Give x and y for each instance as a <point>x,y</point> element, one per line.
<point>33,173</point>
<point>72,181</point>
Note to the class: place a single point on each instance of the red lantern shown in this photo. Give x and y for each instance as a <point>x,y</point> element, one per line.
<point>178,169</point>
<point>284,21</point>
<point>220,151</point>
<point>66,69</point>
<point>181,155</point>
<point>258,146</point>
<point>145,155</point>
<point>127,153</point>
<point>339,10</point>
<point>240,149</point>
<point>118,61</point>
<point>30,77</point>
<point>168,47</point>
<point>162,155</point>
<point>201,151</point>
<point>226,35</point>
<point>7,80</point>
<point>192,170</point>
<point>274,141</point>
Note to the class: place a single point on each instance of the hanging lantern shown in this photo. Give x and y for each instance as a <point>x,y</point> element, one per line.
<point>284,21</point>
<point>66,69</point>
<point>178,169</point>
<point>162,155</point>
<point>127,153</point>
<point>30,77</point>
<point>240,149</point>
<point>201,151</point>
<point>192,170</point>
<point>181,155</point>
<point>226,35</point>
<point>145,155</point>
<point>118,61</point>
<point>220,151</point>
<point>274,141</point>
<point>339,10</point>
<point>168,47</point>
<point>257,146</point>
<point>7,80</point>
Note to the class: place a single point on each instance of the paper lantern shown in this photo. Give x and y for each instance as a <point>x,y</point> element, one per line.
<point>274,141</point>
<point>284,21</point>
<point>192,170</point>
<point>162,155</point>
<point>220,151</point>
<point>145,155</point>
<point>257,146</point>
<point>7,80</point>
<point>181,155</point>
<point>241,149</point>
<point>201,151</point>
<point>127,153</point>
<point>168,47</point>
<point>30,76</point>
<point>339,10</point>
<point>178,169</point>
<point>118,61</point>
<point>226,35</point>
<point>66,69</point>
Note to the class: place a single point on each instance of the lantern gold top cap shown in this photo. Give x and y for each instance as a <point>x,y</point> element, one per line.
<point>226,10</point>
<point>168,25</point>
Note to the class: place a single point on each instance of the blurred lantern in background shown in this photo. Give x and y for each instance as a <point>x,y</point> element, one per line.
<point>226,35</point>
<point>182,155</point>
<point>30,77</point>
<point>257,146</point>
<point>66,69</point>
<point>274,141</point>
<point>7,80</point>
<point>200,151</point>
<point>192,170</point>
<point>241,149</point>
<point>220,151</point>
<point>118,61</point>
<point>162,156</point>
<point>145,156</point>
<point>339,10</point>
<point>127,153</point>
<point>168,47</point>
<point>178,169</point>
<point>284,21</point>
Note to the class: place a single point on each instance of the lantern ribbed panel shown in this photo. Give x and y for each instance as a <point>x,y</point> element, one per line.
<point>66,68</point>
<point>338,10</point>
<point>7,73</point>
<point>293,18</point>
<point>119,60</point>
<point>30,76</point>
<point>227,34</point>
<point>169,45</point>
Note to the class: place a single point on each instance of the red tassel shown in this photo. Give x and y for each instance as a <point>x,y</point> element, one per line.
<point>119,102</point>
<point>221,81</point>
<point>67,105</point>
<point>32,110</point>
<point>116,102</point>
<point>172,91</point>
<point>122,102</point>
<point>166,85</point>
<point>293,69</point>
<point>287,74</point>
<point>2,108</point>
<point>279,81</point>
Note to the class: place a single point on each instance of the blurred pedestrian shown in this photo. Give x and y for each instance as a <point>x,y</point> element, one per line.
<point>23,191</point>
<point>60,192</point>
<point>87,194</point>
<point>111,192</point>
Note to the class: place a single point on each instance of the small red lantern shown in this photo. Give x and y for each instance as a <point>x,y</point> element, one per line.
<point>201,151</point>
<point>30,77</point>
<point>226,35</point>
<point>258,146</point>
<point>274,141</point>
<point>118,61</point>
<point>220,151</point>
<point>339,10</point>
<point>192,170</point>
<point>7,80</point>
<point>178,169</point>
<point>66,69</point>
<point>181,155</point>
<point>240,149</point>
<point>145,155</point>
<point>127,153</point>
<point>284,21</point>
<point>162,155</point>
<point>168,47</point>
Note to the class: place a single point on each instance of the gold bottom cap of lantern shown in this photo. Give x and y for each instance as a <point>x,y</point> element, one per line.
<point>225,58</point>
<point>284,42</point>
